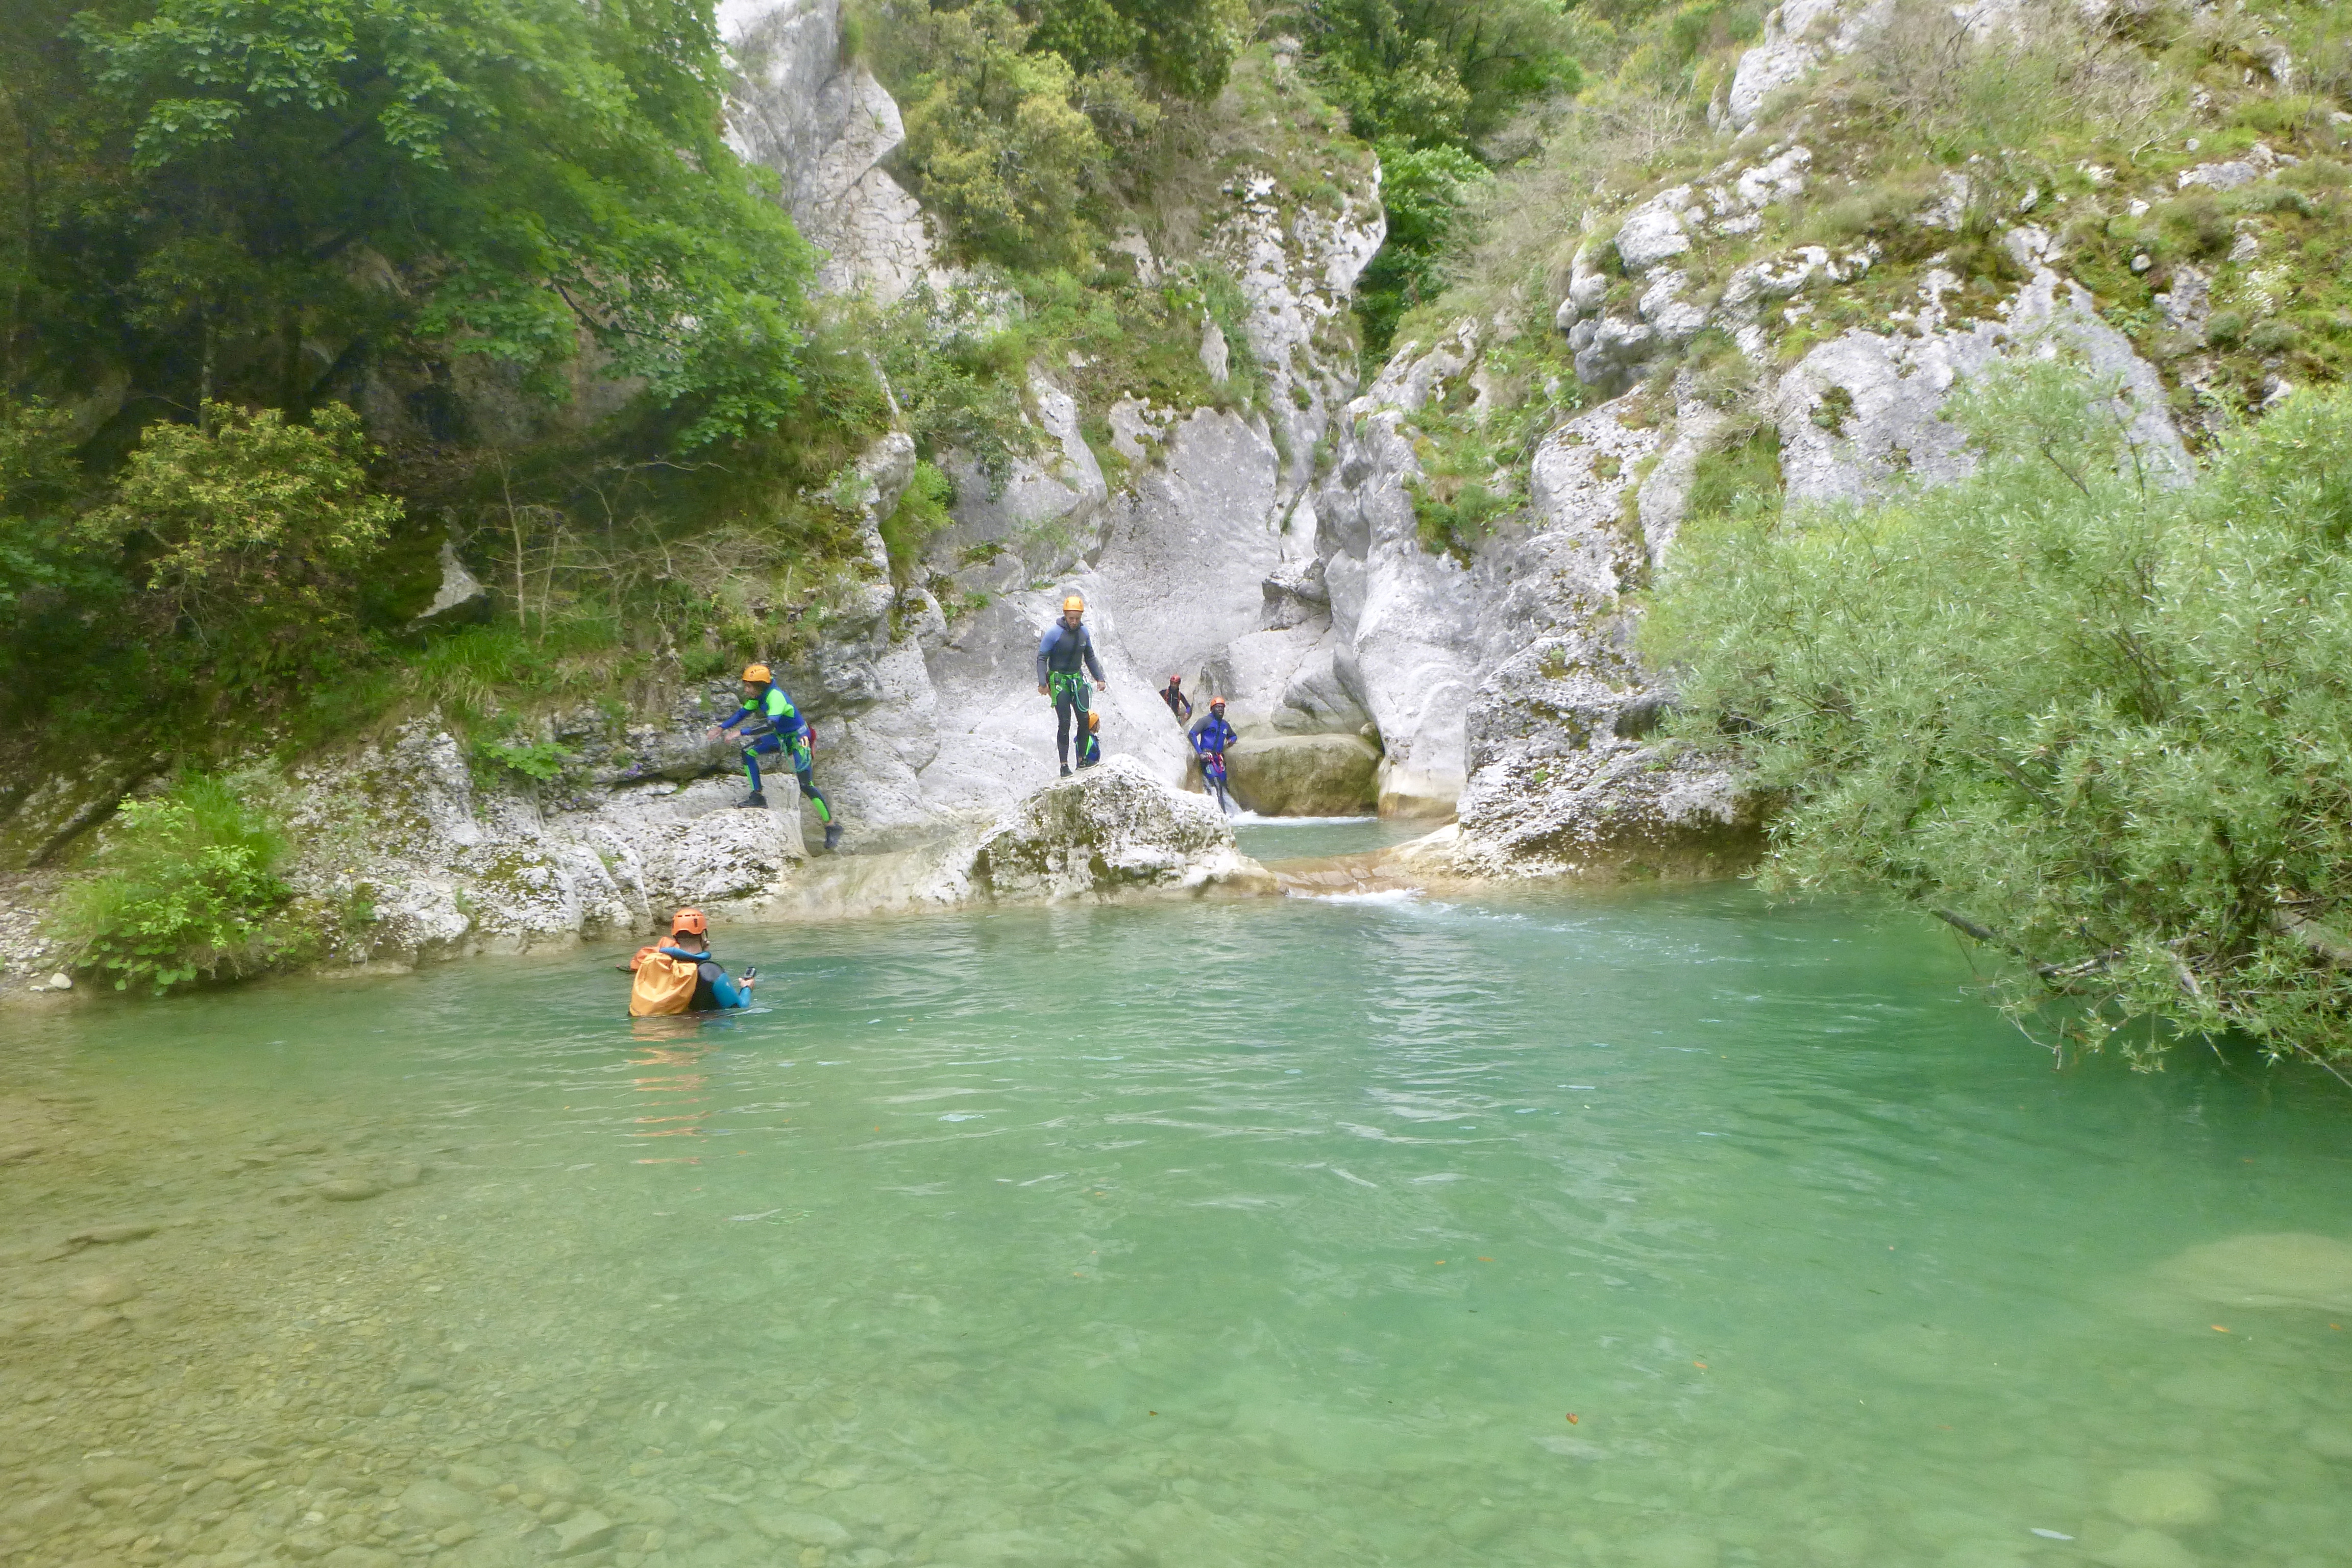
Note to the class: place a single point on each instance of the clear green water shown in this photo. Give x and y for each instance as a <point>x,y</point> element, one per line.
<point>1274,1233</point>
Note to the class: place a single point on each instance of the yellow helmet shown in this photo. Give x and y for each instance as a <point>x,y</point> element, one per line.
<point>1073,603</point>
<point>1094,720</point>
<point>757,672</point>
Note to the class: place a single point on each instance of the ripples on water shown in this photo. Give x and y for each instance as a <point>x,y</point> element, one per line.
<point>1285,1232</point>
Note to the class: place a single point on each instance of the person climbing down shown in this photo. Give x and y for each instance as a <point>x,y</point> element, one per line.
<point>1090,744</point>
<point>1177,703</point>
<point>1211,735</point>
<point>769,724</point>
<point>680,976</point>
<point>1065,646</point>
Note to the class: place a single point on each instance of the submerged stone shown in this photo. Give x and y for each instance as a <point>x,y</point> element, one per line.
<point>2171,1498</point>
<point>2286,1269</point>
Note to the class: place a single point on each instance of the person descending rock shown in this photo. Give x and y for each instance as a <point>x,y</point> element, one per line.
<point>1211,735</point>
<point>1065,646</point>
<point>1177,703</point>
<point>1090,744</point>
<point>680,976</point>
<point>769,723</point>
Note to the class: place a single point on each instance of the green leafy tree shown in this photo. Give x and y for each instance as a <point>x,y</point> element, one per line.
<point>251,198</point>
<point>1430,71</point>
<point>1182,48</point>
<point>1430,193</point>
<point>185,888</point>
<point>250,526</point>
<point>994,143</point>
<point>2097,720</point>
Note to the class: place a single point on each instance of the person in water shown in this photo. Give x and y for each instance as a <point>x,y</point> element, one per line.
<point>1177,703</point>
<point>1209,736</point>
<point>689,941</point>
<point>1066,647</point>
<point>769,725</point>
<point>1090,744</point>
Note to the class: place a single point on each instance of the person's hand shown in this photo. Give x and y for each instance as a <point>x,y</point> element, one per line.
<point>1101,686</point>
<point>1041,691</point>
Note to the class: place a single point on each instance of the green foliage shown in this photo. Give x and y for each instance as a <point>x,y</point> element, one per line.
<point>919,517</point>
<point>184,889</point>
<point>1182,48</point>
<point>51,583</point>
<point>1439,72</point>
<point>255,199</point>
<point>1429,194</point>
<point>543,761</point>
<point>249,525</point>
<point>995,144</point>
<point>1453,526</point>
<point>2102,720</point>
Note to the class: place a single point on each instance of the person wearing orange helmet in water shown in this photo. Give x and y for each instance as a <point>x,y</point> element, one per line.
<point>689,943</point>
<point>1066,647</point>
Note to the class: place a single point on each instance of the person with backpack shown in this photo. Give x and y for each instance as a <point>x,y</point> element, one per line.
<point>1065,647</point>
<point>768,724</point>
<point>680,976</point>
<point>1090,747</point>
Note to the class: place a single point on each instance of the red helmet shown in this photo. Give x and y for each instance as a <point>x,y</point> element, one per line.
<point>1175,680</point>
<point>690,921</point>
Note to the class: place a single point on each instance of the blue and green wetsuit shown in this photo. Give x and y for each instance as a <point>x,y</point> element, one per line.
<point>770,725</point>
<point>712,989</point>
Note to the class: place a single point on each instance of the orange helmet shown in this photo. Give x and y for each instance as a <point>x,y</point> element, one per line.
<point>1073,603</point>
<point>1216,702</point>
<point>1094,720</point>
<point>690,921</point>
<point>760,673</point>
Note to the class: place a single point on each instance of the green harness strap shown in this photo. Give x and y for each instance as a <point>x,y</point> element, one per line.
<point>1061,683</point>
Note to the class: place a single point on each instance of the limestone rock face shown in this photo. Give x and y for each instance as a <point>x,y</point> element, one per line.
<point>434,865</point>
<point>1110,830</point>
<point>825,127</point>
<point>1304,775</point>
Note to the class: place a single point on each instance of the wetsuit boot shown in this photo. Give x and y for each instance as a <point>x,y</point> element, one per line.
<point>755,800</point>
<point>832,836</point>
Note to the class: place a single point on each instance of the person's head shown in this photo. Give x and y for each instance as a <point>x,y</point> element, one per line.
<point>1217,706</point>
<point>1175,681</point>
<point>688,929</point>
<point>1074,610</point>
<point>757,677</point>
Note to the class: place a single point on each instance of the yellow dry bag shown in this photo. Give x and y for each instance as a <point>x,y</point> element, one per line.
<point>663,985</point>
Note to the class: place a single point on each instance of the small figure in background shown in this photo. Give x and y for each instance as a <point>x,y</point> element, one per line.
<point>1177,703</point>
<point>1090,747</point>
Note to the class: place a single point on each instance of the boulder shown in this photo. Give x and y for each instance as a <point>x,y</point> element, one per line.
<point>1110,830</point>
<point>1304,775</point>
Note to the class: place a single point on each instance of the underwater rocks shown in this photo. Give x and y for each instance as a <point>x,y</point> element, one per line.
<point>2287,1269</point>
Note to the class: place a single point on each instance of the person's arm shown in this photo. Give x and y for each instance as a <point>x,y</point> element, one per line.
<point>726,992</point>
<point>730,720</point>
<point>1045,647</point>
<point>1086,649</point>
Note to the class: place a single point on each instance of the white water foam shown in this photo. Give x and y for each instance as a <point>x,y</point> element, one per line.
<point>1384,896</point>
<point>1252,819</point>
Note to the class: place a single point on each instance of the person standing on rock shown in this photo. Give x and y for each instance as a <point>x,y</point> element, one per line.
<point>1061,652</point>
<point>1177,703</point>
<point>769,723</point>
<point>1210,738</point>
